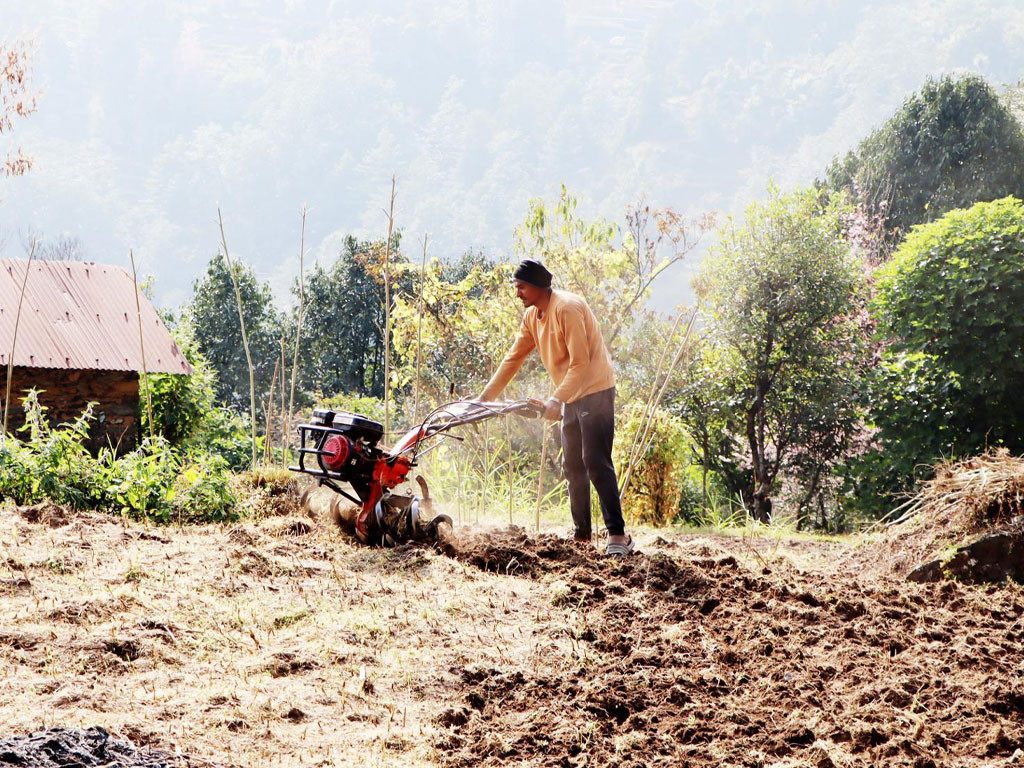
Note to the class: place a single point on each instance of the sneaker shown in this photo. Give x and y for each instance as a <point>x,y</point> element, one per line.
<point>620,550</point>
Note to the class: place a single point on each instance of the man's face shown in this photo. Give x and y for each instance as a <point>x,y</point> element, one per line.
<point>528,294</point>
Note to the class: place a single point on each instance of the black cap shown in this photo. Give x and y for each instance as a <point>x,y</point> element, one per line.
<point>534,273</point>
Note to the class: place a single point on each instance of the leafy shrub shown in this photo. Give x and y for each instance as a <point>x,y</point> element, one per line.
<point>948,383</point>
<point>370,407</point>
<point>202,492</point>
<point>140,483</point>
<point>656,482</point>
<point>53,463</point>
<point>186,411</point>
<point>155,481</point>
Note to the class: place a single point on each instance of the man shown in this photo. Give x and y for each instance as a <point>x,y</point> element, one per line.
<point>565,332</point>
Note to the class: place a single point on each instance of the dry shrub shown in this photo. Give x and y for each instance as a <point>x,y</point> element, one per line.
<point>964,498</point>
<point>269,492</point>
<point>970,494</point>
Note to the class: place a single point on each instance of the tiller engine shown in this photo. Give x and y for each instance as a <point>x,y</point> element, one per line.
<point>339,447</point>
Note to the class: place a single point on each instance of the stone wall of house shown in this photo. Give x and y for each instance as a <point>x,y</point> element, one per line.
<point>65,394</point>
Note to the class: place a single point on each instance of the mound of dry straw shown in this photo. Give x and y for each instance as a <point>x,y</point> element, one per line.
<point>965,499</point>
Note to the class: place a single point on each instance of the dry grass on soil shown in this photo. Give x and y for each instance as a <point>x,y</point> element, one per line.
<point>280,643</point>
<point>979,496</point>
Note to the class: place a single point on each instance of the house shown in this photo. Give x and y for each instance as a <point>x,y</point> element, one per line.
<point>78,341</point>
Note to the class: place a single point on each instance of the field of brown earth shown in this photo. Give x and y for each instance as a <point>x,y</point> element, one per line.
<point>280,643</point>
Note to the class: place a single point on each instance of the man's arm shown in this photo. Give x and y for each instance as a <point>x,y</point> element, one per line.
<point>522,346</point>
<point>576,343</point>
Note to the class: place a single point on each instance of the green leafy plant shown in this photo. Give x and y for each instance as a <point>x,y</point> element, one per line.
<point>948,379</point>
<point>152,482</point>
<point>654,492</point>
<point>140,483</point>
<point>202,492</point>
<point>52,462</point>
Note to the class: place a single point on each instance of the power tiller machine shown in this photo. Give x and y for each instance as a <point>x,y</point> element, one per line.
<point>339,447</point>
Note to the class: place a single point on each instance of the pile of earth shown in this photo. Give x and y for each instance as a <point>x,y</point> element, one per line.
<point>82,748</point>
<point>701,661</point>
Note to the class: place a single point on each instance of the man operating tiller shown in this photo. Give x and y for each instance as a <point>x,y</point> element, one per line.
<point>564,330</point>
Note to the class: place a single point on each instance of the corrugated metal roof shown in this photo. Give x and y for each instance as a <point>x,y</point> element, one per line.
<point>81,315</point>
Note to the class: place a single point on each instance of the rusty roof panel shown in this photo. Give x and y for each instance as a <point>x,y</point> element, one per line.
<point>81,315</point>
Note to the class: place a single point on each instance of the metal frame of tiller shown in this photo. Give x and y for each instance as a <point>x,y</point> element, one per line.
<point>345,447</point>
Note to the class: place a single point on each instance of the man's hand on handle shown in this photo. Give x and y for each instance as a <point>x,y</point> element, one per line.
<point>552,408</point>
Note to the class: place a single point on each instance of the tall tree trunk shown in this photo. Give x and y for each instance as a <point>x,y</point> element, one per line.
<point>761,504</point>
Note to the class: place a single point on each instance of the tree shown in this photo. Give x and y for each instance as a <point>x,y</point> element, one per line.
<point>467,324</point>
<point>16,100</point>
<point>577,251</point>
<point>708,403</point>
<point>952,144</point>
<point>949,378</point>
<point>343,322</point>
<point>777,293</point>
<point>214,317</point>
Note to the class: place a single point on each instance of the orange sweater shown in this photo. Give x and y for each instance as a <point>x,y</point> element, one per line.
<point>569,341</point>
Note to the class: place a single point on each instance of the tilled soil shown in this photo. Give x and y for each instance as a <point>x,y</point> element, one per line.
<point>278,642</point>
<point>694,661</point>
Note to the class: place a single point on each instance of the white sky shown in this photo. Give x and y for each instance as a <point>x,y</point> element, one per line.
<point>153,112</point>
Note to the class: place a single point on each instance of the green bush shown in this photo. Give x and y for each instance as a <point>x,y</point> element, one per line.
<point>52,463</point>
<point>154,482</point>
<point>203,493</point>
<point>657,480</point>
<point>186,411</point>
<point>140,483</point>
<point>370,407</point>
<point>948,381</point>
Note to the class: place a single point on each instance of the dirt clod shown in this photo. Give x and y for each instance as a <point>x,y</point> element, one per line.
<point>82,748</point>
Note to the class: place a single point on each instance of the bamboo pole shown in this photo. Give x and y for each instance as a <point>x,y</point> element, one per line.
<point>245,337</point>
<point>630,457</point>
<point>540,476</point>
<point>142,344</point>
<point>648,427</point>
<point>14,339</point>
<point>508,467</point>
<point>284,421</point>
<point>269,413</point>
<point>298,325</point>
<point>387,311</point>
<point>419,336</point>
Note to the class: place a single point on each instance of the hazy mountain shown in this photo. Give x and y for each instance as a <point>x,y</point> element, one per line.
<point>153,112</point>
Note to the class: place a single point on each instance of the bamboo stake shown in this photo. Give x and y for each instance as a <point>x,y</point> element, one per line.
<point>540,476</point>
<point>245,337</point>
<point>387,311</point>
<point>142,345</point>
<point>269,413</point>
<point>298,326</point>
<point>630,457</point>
<point>284,421</point>
<point>419,336</point>
<point>508,469</point>
<point>14,339</point>
<point>648,427</point>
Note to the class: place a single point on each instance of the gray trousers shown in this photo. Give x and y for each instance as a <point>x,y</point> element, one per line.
<point>588,428</point>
